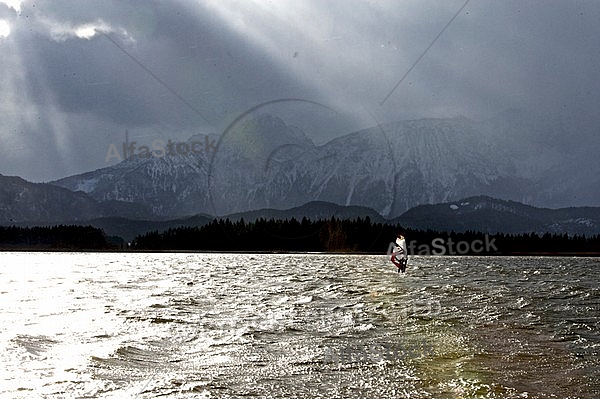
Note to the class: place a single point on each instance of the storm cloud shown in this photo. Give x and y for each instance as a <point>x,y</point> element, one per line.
<point>76,75</point>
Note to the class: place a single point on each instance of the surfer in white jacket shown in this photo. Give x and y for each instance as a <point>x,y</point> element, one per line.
<point>400,256</point>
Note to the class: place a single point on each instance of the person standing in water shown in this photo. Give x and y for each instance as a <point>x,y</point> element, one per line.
<point>400,255</point>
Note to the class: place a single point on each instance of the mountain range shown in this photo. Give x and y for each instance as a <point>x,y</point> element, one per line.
<point>395,172</point>
<point>36,204</point>
<point>265,163</point>
<point>490,215</point>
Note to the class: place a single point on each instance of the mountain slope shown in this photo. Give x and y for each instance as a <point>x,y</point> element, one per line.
<point>491,215</point>
<point>265,163</point>
<point>170,186</point>
<point>22,202</point>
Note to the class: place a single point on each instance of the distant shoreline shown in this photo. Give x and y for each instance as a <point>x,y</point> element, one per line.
<point>125,251</point>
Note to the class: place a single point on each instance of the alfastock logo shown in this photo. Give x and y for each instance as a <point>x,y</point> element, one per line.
<point>160,149</point>
<point>447,246</point>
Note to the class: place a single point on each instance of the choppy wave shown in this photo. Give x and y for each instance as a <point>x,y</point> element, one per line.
<point>235,325</point>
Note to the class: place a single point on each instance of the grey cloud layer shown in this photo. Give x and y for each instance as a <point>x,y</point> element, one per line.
<point>68,92</point>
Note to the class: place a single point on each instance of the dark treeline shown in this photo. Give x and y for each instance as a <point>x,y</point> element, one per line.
<point>358,235</point>
<point>332,235</point>
<point>56,237</point>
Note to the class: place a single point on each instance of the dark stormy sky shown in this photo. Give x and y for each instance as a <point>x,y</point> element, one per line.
<point>71,80</point>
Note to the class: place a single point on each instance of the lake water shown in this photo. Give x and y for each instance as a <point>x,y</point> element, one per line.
<point>115,325</point>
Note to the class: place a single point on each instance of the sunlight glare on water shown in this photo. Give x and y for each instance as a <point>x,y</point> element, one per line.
<point>144,325</point>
